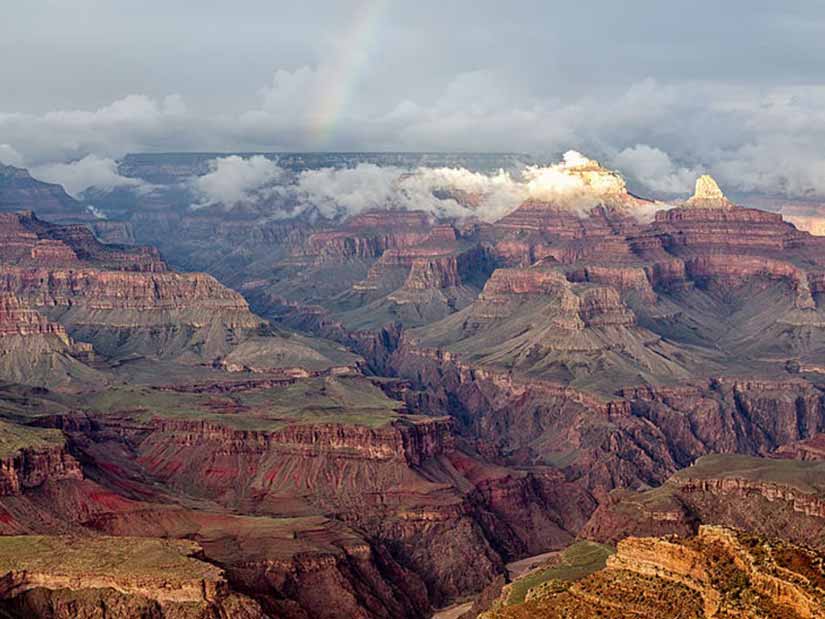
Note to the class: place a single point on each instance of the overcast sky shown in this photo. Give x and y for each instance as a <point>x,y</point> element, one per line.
<point>666,88</point>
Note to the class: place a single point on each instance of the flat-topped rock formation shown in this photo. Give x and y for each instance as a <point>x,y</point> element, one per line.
<point>29,241</point>
<point>121,577</point>
<point>369,235</point>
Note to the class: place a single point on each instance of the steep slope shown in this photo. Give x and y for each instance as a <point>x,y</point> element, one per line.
<point>534,321</point>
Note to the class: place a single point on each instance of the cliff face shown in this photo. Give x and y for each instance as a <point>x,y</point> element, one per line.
<point>737,229</point>
<point>369,235</point>
<point>636,280</point>
<point>37,351</point>
<point>421,503</point>
<point>19,191</point>
<point>728,271</point>
<point>124,301</point>
<point>115,290</point>
<point>578,307</point>
<point>123,312</point>
<point>643,436</point>
<point>66,577</point>
<point>355,580</point>
<point>29,467</point>
<point>16,319</point>
<point>448,271</point>
<point>538,323</point>
<point>29,241</point>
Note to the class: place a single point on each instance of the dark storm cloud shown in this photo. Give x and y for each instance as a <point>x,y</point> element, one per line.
<point>662,89</point>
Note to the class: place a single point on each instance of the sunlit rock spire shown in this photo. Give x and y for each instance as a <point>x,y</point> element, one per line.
<point>708,195</point>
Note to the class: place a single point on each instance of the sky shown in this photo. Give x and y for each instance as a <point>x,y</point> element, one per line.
<point>661,89</point>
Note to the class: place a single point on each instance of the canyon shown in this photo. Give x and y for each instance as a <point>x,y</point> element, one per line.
<point>373,416</point>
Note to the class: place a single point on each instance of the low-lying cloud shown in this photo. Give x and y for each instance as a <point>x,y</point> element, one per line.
<point>576,183</point>
<point>443,192</point>
<point>655,170</point>
<point>91,171</point>
<point>234,180</point>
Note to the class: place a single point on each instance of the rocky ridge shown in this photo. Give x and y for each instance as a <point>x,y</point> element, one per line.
<point>718,573</point>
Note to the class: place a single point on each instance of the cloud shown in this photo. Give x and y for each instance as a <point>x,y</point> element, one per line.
<point>233,180</point>
<point>91,171</point>
<point>662,134</point>
<point>9,156</point>
<point>443,192</point>
<point>350,191</point>
<point>655,170</point>
<point>132,123</point>
<point>577,183</point>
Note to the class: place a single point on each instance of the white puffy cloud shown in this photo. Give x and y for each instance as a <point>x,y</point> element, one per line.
<point>91,171</point>
<point>9,156</point>
<point>655,170</point>
<point>365,187</point>
<point>337,192</point>
<point>233,180</point>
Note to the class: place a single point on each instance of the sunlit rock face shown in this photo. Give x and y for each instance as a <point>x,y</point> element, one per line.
<point>708,195</point>
<point>593,174</point>
<point>578,184</point>
<point>719,572</point>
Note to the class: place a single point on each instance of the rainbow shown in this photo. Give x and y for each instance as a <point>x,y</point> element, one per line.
<point>346,68</point>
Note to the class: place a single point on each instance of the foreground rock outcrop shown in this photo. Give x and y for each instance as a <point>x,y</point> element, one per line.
<point>117,577</point>
<point>718,573</point>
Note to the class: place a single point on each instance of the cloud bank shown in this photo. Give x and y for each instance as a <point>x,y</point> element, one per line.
<point>751,138</point>
<point>576,183</point>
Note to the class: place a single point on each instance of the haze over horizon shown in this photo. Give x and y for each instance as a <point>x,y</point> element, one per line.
<point>656,89</point>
